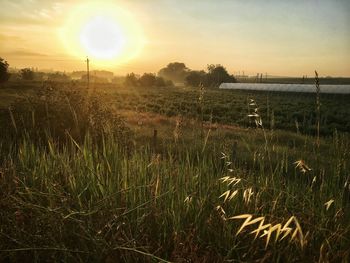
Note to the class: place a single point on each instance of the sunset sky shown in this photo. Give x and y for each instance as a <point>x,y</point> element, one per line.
<point>285,38</point>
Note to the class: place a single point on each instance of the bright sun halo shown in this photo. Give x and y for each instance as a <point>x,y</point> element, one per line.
<point>106,33</point>
<point>102,38</point>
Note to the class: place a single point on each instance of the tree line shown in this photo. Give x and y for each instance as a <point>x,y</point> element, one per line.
<point>175,72</point>
<point>178,72</point>
<point>146,80</point>
<point>212,77</point>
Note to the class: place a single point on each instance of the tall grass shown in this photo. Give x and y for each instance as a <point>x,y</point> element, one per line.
<point>318,108</point>
<point>103,201</point>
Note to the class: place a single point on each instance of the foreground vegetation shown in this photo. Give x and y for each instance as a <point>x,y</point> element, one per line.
<point>79,183</point>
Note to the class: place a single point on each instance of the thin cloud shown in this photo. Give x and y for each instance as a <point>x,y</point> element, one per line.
<point>4,37</point>
<point>12,20</point>
<point>25,53</point>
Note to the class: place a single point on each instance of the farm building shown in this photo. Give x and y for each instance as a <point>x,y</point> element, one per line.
<point>308,88</point>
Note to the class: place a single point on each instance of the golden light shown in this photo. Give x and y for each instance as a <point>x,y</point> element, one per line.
<point>102,38</point>
<point>106,33</point>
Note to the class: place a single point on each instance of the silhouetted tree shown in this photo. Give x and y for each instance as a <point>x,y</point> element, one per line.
<point>4,75</point>
<point>147,80</point>
<point>160,82</point>
<point>175,71</point>
<point>60,77</point>
<point>218,74</point>
<point>168,83</point>
<point>93,79</point>
<point>27,74</point>
<point>194,78</point>
<point>131,80</point>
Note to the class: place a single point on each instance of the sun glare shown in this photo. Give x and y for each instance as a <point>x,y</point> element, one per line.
<point>106,33</point>
<point>102,38</point>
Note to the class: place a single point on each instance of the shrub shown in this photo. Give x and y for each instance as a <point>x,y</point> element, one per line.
<point>4,75</point>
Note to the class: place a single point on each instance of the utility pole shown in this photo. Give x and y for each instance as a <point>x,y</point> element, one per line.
<point>88,71</point>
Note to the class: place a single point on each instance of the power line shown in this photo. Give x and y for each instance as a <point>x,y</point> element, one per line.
<point>88,71</point>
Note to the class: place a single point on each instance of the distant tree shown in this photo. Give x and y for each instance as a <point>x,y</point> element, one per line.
<point>160,82</point>
<point>218,74</point>
<point>147,80</point>
<point>61,77</point>
<point>175,71</point>
<point>169,83</point>
<point>92,79</point>
<point>27,74</point>
<point>131,80</point>
<point>194,78</point>
<point>4,75</point>
<point>39,75</point>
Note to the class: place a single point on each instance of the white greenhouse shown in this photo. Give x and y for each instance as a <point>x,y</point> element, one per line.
<point>309,88</point>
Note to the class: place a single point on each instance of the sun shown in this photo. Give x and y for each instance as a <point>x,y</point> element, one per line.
<point>102,38</point>
<point>105,33</point>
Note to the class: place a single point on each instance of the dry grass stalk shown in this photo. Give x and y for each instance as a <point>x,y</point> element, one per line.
<point>201,105</point>
<point>302,166</point>
<point>247,194</point>
<point>281,231</point>
<point>328,204</point>
<point>208,133</point>
<point>255,114</point>
<point>178,128</point>
<point>13,119</point>
<point>318,106</point>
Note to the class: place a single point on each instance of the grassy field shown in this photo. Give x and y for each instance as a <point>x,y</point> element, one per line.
<point>287,111</point>
<point>87,177</point>
<point>291,80</point>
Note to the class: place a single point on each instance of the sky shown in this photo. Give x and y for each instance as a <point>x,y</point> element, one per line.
<point>280,38</point>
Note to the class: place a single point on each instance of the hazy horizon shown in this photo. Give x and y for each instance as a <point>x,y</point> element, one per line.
<point>274,37</point>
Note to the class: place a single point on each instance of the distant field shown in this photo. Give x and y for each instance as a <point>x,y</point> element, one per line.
<point>279,110</point>
<point>288,111</point>
<point>157,175</point>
